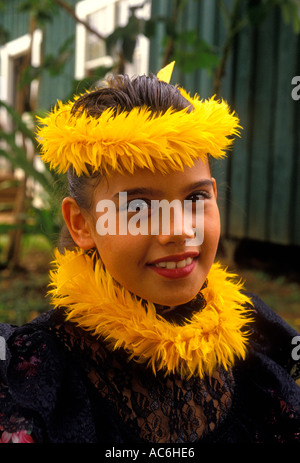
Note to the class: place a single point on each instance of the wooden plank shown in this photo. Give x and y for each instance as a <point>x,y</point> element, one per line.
<point>13,21</point>
<point>58,86</point>
<point>282,172</point>
<point>242,97</point>
<point>296,169</point>
<point>190,21</point>
<point>296,190</point>
<point>220,169</point>
<point>158,9</point>
<point>206,32</point>
<point>263,111</point>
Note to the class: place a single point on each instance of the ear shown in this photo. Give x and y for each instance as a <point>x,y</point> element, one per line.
<point>215,187</point>
<point>77,224</point>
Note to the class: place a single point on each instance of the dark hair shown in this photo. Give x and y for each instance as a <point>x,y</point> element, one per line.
<point>121,94</point>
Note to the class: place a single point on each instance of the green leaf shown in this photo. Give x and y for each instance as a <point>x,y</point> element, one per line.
<point>291,13</point>
<point>149,27</point>
<point>17,157</point>
<point>192,53</point>
<point>42,10</point>
<point>6,228</point>
<point>257,13</point>
<point>18,122</point>
<point>28,75</point>
<point>112,40</point>
<point>128,47</point>
<point>4,35</point>
<point>125,37</point>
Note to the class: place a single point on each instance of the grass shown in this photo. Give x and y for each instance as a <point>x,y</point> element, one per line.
<point>280,294</point>
<point>23,291</point>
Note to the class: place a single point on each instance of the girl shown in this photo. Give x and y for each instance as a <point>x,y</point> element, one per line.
<point>149,339</point>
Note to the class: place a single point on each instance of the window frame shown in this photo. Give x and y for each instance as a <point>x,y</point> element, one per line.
<point>8,54</point>
<point>84,9</point>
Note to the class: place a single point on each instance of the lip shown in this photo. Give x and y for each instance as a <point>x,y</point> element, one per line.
<point>176,272</point>
<point>175,257</point>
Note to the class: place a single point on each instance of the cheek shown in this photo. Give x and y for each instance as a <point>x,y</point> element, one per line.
<point>120,253</point>
<point>110,249</point>
<point>212,226</point>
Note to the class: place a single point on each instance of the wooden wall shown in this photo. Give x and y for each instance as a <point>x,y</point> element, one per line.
<point>17,24</point>
<point>259,183</point>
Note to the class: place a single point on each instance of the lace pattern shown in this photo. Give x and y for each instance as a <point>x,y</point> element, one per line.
<point>155,408</point>
<point>60,385</point>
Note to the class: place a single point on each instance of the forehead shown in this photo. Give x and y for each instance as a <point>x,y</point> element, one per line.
<point>142,178</point>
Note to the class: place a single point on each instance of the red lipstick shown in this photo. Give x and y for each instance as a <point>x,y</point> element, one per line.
<point>182,271</point>
<point>175,257</point>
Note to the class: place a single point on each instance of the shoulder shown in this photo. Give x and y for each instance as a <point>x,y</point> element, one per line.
<point>266,398</point>
<point>267,394</point>
<point>39,380</point>
<point>20,342</point>
<point>273,337</point>
<point>29,348</point>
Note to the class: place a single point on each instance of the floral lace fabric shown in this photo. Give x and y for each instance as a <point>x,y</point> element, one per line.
<point>59,385</point>
<point>155,408</point>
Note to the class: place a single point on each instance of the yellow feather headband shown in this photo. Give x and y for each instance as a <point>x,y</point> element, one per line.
<point>136,139</point>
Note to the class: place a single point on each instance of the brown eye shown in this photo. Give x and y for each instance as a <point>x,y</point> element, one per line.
<point>199,195</point>
<point>137,205</point>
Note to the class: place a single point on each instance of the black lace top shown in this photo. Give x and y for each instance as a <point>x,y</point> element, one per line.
<point>58,384</point>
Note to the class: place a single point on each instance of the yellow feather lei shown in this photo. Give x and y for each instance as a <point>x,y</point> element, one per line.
<point>213,337</point>
<point>136,139</point>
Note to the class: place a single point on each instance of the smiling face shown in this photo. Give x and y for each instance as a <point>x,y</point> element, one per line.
<point>162,267</point>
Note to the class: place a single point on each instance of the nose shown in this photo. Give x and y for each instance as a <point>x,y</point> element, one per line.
<point>176,226</point>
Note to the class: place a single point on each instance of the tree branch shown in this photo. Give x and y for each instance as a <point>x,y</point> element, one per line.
<point>68,8</point>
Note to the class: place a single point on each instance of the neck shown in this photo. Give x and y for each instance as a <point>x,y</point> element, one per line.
<point>210,334</point>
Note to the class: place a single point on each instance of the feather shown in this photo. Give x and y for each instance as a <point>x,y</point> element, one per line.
<point>162,142</point>
<point>216,336</point>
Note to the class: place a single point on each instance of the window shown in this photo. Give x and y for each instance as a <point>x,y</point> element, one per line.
<point>104,16</point>
<point>13,59</point>
<point>15,56</point>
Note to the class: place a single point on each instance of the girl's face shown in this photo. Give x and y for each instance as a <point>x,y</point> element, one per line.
<point>159,266</point>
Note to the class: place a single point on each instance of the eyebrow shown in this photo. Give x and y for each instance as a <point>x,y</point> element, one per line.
<point>139,191</point>
<point>200,184</point>
<point>155,192</point>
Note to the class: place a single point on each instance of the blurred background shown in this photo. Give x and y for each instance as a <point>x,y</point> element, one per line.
<point>245,51</point>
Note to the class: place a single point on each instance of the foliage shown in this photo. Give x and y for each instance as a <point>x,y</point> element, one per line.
<point>22,298</point>
<point>42,10</point>
<point>195,54</point>
<point>22,293</point>
<point>35,219</point>
<point>192,53</point>
<point>17,155</point>
<point>53,64</point>
<point>125,37</point>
